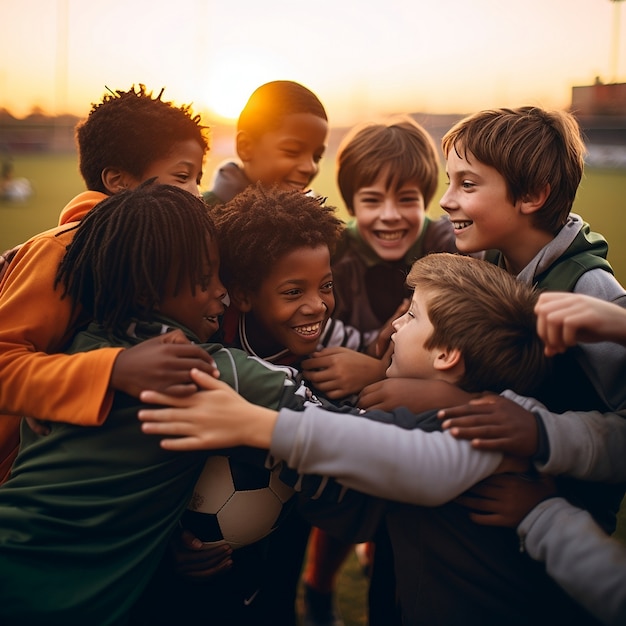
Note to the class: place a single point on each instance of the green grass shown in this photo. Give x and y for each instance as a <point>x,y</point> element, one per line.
<point>56,180</point>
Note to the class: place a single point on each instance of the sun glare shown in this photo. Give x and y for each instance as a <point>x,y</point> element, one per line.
<point>235,74</point>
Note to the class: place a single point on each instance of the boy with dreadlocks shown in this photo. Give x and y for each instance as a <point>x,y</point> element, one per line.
<point>124,492</point>
<point>129,137</point>
<point>281,138</point>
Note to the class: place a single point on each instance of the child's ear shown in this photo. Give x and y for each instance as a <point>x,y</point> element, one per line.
<point>447,359</point>
<point>533,202</point>
<point>240,299</point>
<point>116,180</point>
<point>245,145</point>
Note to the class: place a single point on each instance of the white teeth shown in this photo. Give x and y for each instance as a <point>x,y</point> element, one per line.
<point>310,329</point>
<point>460,225</point>
<point>390,236</point>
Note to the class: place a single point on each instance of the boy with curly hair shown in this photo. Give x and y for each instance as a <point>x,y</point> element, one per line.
<point>128,137</point>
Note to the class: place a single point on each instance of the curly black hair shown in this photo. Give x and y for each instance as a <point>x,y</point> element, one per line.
<point>259,226</point>
<point>127,247</point>
<point>130,130</point>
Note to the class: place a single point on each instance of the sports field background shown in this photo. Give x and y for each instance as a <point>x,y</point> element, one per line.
<point>601,199</point>
<point>55,180</point>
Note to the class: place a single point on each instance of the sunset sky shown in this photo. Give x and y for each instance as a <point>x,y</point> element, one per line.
<point>362,57</point>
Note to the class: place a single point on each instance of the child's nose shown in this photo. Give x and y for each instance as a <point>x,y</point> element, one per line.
<point>390,210</point>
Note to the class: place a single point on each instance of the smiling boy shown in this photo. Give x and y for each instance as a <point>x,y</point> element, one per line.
<point>281,137</point>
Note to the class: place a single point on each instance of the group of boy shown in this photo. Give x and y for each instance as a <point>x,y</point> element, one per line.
<point>513,203</point>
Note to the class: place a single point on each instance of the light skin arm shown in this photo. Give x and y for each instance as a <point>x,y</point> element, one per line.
<point>196,422</point>
<point>565,319</point>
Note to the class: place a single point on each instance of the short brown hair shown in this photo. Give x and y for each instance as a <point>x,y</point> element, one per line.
<point>531,148</point>
<point>401,146</point>
<point>488,315</point>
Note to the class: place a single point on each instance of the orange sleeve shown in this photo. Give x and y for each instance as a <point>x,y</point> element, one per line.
<point>35,323</point>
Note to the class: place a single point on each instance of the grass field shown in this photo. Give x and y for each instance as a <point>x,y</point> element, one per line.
<point>55,179</point>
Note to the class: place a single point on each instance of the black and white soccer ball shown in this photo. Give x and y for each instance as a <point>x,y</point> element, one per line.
<point>236,502</point>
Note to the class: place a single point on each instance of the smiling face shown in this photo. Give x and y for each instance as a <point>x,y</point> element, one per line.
<point>288,156</point>
<point>389,220</point>
<point>294,302</point>
<point>198,311</point>
<point>181,168</point>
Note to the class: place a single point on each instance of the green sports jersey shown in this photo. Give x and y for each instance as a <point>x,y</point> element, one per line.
<point>88,511</point>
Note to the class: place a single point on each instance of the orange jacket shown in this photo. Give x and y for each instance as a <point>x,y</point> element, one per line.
<point>35,325</point>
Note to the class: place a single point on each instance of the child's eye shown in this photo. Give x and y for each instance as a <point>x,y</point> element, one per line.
<point>317,157</point>
<point>409,199</point>
<point>411,314</point>
<point>327,287</point>
<point>467,184</point>
<point>292,292</point>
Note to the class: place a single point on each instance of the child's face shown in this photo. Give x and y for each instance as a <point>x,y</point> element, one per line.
<point>181,168</point>
<point>199,313</point>
<point>479,207</point>
<point>296,299</point>
<point>288,156</point>
<point>389,220</point>
<point>410,358</point>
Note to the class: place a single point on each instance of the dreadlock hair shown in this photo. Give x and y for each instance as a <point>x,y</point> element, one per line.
<point>129,247</point>
<point>270,103</point>
<point>487,314</point>
<point>130,130</point>
<point>259,226</point>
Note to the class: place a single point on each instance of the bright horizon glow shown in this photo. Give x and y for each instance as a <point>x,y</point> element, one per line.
<point>363,58</point>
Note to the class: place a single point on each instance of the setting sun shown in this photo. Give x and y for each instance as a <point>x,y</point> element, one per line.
<point>235,73</point>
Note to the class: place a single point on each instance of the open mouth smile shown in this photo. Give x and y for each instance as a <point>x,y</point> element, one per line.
<point>390,235</point>
<point>460,225</point>
<point>308,330</point>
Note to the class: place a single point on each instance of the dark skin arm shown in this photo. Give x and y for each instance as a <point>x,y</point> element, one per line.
<point>506,499</point>
<point>416,394</point>
<point>162,363</point>
<point>193,559</point>
<point>493,423</point>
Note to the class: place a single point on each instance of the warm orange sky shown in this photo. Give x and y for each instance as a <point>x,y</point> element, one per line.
<point>362,57</point>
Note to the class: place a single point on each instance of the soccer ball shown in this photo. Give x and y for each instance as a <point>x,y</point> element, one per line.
<point>236,502</point>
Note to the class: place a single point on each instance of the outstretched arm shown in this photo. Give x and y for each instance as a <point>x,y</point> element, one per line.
<point>427,468</point>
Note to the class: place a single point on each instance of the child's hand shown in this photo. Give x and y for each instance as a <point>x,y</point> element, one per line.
<point>565,319</point>
<point>416,394</point>
<point>217,417</point>
<point>194,559</point>
<point>340,372</point>
<point>493,423</point>
<point>506,499</point>
<point>381,346</point>
<point>162,363</point>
